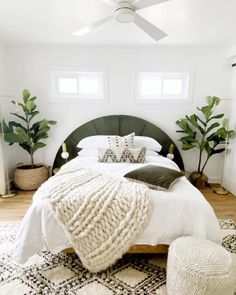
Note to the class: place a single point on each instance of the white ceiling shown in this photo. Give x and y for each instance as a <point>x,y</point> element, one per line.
<point>187,22</point>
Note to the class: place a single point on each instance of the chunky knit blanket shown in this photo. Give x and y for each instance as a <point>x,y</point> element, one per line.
<point>102,216</point>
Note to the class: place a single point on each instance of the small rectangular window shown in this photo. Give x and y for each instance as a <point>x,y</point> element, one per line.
<point>162,86</point>
<point>67,85</point>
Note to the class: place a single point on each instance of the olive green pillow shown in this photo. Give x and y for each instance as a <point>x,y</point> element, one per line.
<point>156,177</point>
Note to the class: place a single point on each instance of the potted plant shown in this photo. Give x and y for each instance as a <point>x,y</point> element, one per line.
<point>205,132</point>
<point>30,137</point>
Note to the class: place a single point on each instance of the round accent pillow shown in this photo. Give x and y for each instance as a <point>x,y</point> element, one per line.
<point>197,266</point>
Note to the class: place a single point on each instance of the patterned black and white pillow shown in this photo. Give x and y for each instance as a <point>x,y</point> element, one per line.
<point>119,155</point>
<point>116,141</point>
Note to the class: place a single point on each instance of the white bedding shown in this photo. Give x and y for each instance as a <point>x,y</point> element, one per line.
<point>181,211</point>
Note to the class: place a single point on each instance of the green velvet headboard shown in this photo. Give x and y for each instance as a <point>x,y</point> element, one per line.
<point>117,125</point>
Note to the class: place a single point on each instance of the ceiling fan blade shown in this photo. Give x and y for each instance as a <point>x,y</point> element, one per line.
<point>146,3</point>
<point>109,2</point>
<point>149,28</point>
<point>93,26</point>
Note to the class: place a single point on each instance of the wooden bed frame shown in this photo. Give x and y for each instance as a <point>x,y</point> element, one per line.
<point>120,125</point>
<point>136,249</point>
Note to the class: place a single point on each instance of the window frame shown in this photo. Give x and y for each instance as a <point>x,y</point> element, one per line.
<point>184,98</point>
<point>75,73</point>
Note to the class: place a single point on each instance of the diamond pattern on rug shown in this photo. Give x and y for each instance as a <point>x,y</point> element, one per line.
<point>131,276</point>
<point>229,242</point>
<point>17,285</point>
<point>36,259</point>
<point>63,274</point>
<point>94,288</point>
<point>227,224</point>
<point>58,275</point>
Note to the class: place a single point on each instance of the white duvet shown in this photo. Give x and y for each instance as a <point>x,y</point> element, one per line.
<point>181,211</point>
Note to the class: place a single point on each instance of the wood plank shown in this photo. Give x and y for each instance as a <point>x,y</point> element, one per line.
<point>15,208</point>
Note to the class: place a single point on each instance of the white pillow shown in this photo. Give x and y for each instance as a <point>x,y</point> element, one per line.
<point>148,142</point>
<point>116,141</point>
<point>94,153</point>
<point>88,153</point>
<point>106,141</point>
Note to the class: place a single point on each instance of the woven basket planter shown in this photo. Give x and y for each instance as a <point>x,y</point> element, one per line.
<point>198,180</point>
<point>27,179</point>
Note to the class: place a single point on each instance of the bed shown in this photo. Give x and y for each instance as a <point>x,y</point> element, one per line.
<point>190,213</point>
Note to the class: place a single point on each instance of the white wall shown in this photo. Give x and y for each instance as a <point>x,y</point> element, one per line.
<point>230,166</point>
<point>30,66</point>
<point>2,174</point>
<point>1,68</point>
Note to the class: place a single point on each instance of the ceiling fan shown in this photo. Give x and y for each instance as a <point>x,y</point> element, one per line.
<point>125,12</point>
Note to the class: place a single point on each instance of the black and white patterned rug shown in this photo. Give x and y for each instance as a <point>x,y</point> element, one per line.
<point>63,274</point>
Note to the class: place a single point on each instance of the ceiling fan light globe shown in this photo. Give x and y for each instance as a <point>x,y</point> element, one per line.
<point>124,15</point>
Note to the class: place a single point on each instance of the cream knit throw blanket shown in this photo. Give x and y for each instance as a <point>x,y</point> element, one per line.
<point>102,216</point>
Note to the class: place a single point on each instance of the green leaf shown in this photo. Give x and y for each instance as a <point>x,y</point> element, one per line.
<point>5,127</point>
<point>37,146</point>
<point>180,131</point>
<point>33,98</point>
<point>193,119</point>
<point>208,149</point>
<point>199,127</point>
<point>226,123</point>
<point>30,105</point>
<point>21,132</point>
<point>217,117</point>
<point>44,129</point>
<point>212,101</point>
<point>26,95</point>
<point>200,120</point>
<point>218,151</point>
<point>221,132</point>
<point>214,125</point>
<point>33,114</point>
<point>25,146</point>
<point>185,126</point>
<point>187,146</point>
<point>188,138</point>
<point>217,100</point>
<point>12,138</point>
<point>207,111</point>
<point>35,127</point>
<point>182,123</point>
<point>51,122</point>
<point>231,133</point>
<point>43,124</point>
<point>40,135</point>
<point>15,124</point>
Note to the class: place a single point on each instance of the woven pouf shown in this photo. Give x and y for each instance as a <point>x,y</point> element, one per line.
<point>199,267</point>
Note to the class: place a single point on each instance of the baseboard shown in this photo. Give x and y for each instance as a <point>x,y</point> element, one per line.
<point>214,180</point>
<point>230,184</point>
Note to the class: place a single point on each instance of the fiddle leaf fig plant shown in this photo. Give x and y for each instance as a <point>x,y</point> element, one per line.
<point>205,131</point>
<point>28,135</point>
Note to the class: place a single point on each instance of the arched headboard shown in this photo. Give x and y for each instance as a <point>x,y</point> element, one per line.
<point>117,125</point>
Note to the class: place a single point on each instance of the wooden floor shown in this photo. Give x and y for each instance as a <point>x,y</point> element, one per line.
<point>13,209</point>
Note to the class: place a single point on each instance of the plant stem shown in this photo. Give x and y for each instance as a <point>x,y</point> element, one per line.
<point>199,162</point>
<point>30,143</point>
<point>201,151</point>
<point>204,165</point>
